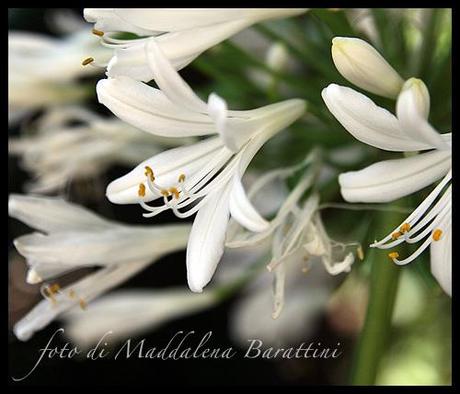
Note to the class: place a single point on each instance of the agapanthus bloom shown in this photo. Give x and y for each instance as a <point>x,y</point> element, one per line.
<point>202,178</point>
<point>70,143</point>
<point>181,33</point>
<point>125,313</point>
<point>408,131</point>
<point>42,70</point>
<point>71,237</point>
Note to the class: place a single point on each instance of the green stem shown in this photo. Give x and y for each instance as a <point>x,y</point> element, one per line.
<point>376,332</point>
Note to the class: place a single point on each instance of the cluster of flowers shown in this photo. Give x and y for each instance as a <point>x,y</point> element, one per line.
<point>203,176</point>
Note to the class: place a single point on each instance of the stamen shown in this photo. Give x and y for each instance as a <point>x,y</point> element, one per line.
<point>174,192</point>
<point>97,32</point>
<point>141,191</point>
<point>360,253</point>
<point>393,255</point>
<point>149,173</point>
<point>87,61</point>
<point>53,289</point>
<point>405,228</point>
<point>82,303</point>
<point>396,235</point>
<point>437,234</point>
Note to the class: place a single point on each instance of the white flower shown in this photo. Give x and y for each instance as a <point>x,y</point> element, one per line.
<point>125,313</point>
<point>57,153</point>
<point>182,34</point>
<point>362,65</point>
<point>392,179</point>
<point>42,70</point>
<point>204,177</point>
<point>296,231</point>
<point>307,290</point>
<point>70,237</point>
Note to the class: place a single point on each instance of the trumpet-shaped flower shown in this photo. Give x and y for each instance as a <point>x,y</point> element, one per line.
<point>182,34</point>
<point>202,178</point>
<point>70,237</point>
<point>389,180</point>
<point>124,313</point>
<point>42,71</point>
<point>93,144</point>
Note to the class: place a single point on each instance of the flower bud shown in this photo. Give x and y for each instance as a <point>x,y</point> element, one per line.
<point>277,57</point>
<point>361,64</point>
<point>415,91</point>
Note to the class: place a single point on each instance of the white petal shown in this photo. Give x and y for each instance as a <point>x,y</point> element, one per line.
<point>180,48</point>
<point>243,211</point>
<point>130,312</point>
<point>174,19</point>
<point>366,121</point>
<point>132,62</point>
<point>167,166</point>
<point>169,81</point>
<point>412,110</point>
<point>52,214</point>
<point>441,259</point>
<point>206,243</point>
<point>237,127</point>
<point>107,20</point>
<point>218,112</point>
<point>392,179</point>
<point>149,110</point>
<point>362,65</point>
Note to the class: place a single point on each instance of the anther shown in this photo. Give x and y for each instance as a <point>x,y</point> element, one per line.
<point>97,32</point>
<point>53,289</point>
<point>87,61</point>
<point>72,293</point>
<point>437,234</point>
<point>393,255</point>
<point>175,192</point>
<point>141,191</point>
<point>82,303</point>
<point>305,270</point>
<point>181,178</point>
<point>164,192</point>
<point>405,228</point>
<point>396,235</point>
<point>149,173</point>
<point>360,253</point>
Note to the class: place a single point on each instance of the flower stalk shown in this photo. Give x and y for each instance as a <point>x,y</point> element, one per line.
<point>375,335</point>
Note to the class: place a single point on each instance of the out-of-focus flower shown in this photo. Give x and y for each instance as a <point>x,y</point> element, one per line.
<point>307,290</point>
<point>392,179</point>
<point>346,308</point>
<point>125,313</point>
<point>362,20</point>
<point>57,153</point>
<point>72,237</point>
<point>43,71</point>
<point>182,34</point>
<point>203,178</point>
